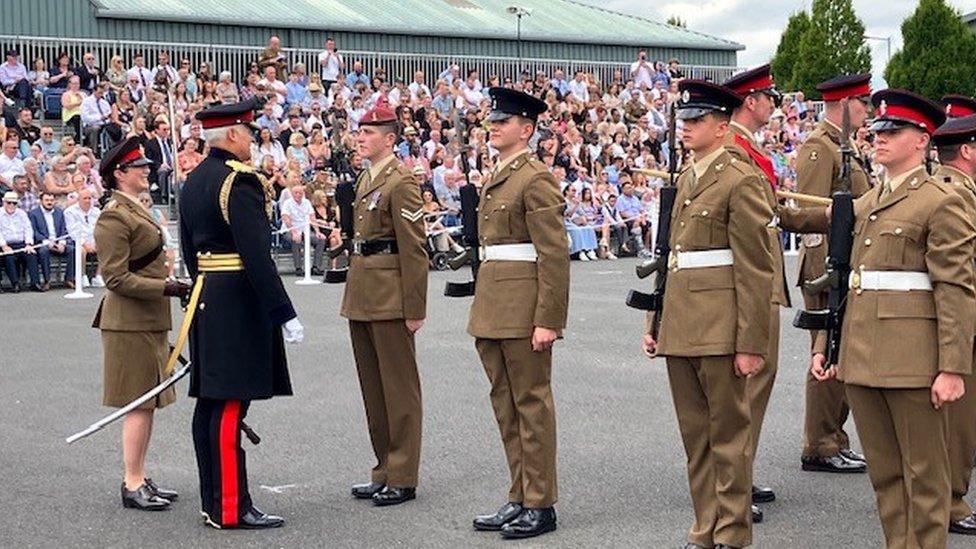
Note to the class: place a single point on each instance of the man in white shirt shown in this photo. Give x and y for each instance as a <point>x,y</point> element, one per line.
<point>442,173</point>
<point>271,83</point>
<point>642,71</point>
<point>140,73</point>
<point>80,219</point>
<point>10,163</point>
<point>418,85</point>
<point>433,144</point>
<point>450,74</point>
<point>579,87</point>
<point>171,75</point>
<point>16,234</point>
<point>96,112</point>
<point>331,63</point>
<point>297,215</point>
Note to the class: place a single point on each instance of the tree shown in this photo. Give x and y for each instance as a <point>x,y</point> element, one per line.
<point>676,21</point>
<point>939,53</point>
<point>788,50</point>
<point>833,45</point>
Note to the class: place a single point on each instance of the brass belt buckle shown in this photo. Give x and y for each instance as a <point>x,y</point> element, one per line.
<point>855,283</point>
<point>672,261</point>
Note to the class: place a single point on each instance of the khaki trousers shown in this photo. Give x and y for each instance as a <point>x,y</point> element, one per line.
<point>760,386</point>
<point>714,412</point>
<point>387,367</point>
<point>904,440</point>
<point>826,405</point>
<point>962,448</point>
<point>522,398</point>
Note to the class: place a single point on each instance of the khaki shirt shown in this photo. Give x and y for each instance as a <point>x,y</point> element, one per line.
<point>388,286</point>
<point>719,310</point>
<point>134,302</point>
<point>521,204</point>
<point>818,164</point>
<point>903,339</point>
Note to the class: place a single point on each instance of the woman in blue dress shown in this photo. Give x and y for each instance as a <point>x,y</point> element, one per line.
<point>581,234</point>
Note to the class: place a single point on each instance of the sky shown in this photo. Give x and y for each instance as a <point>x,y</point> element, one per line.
<point>758,24</point>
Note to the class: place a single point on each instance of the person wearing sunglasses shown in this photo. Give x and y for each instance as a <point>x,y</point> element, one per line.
<point>826,446</point>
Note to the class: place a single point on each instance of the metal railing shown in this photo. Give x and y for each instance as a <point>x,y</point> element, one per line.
<point>237,59</point>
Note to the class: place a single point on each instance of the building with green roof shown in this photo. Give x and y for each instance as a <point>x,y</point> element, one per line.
<point>430,32</point>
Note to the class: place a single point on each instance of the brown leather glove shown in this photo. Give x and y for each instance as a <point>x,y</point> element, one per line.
<point>177,288</point>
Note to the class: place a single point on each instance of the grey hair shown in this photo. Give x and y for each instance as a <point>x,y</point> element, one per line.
<point>225,75</point>
<point>216,135</point>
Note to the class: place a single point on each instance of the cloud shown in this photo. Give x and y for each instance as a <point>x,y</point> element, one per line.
<point>758,23</point>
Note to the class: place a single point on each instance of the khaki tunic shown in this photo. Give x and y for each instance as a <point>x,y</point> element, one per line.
<point>134,316</point>
<point>388,286</point>
<point>522,205</point>
<point>962,413</point>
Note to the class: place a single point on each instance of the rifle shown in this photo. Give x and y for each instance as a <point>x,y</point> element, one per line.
<point>840,240</point>
<point>662,249</point>
<point>469,217</point>
<point>345,196</point>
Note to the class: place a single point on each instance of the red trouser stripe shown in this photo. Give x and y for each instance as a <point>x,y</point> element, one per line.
<point>229,429</point>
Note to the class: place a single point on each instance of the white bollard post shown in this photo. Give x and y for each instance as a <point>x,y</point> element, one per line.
<point>79,293</point>
<point>307,280</point>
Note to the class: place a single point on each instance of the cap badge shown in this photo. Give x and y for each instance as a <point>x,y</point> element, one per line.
<point>685,96</point>
<point>883,107</point>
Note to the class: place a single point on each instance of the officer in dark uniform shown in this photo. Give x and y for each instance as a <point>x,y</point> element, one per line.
<point>244,315</point>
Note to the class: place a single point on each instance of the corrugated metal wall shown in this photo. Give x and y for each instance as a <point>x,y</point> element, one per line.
<point>76,19</point>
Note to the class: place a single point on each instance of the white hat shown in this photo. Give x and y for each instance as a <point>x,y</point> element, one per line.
<point>11,196</point>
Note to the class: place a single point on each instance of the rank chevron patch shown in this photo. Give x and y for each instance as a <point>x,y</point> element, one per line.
<point>412,216</point>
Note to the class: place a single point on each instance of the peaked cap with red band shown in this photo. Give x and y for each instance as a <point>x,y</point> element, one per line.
<point>699,97</point>
<point>901,108</point>
<point>959,105</point>
<point>127,154</point>
<point>847,86</point>
<point>222,116</point>
<point>379,115</point>
<point>751,81</point>
<point>956,131</point>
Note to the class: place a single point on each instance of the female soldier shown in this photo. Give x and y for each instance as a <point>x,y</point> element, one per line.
<point>134,315</point>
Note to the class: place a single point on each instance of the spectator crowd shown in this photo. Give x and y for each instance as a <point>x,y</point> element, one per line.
<point>606,142</point>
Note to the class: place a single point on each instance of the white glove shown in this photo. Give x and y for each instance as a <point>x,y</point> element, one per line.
<point>293,331</point>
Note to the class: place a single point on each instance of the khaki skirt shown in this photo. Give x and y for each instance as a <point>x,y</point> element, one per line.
<point>134,364</point>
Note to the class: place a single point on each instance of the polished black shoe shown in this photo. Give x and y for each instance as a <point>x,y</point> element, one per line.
<point>966,526</point>
<point>253,519</point>
<point>393,496</point>
<point>853,456</point>
<point>531,523</point>
<point>757,514</point>
<point>832,464</point>
<point>168,495</point>
<point>508,512</point>
<point>366,491</point>
<point>15,289</point>
<point>37,288</point>
<point>143,499</point>
<point>317,272</point>
<point>763,495</point>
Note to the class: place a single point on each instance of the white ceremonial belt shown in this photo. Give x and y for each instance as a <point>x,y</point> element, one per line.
<point>509,252</point>
<point>703,259</point>
<point>902,281</point>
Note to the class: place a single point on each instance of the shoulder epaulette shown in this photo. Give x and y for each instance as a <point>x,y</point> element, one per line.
<point>225,188</point>
<point>239,166</point>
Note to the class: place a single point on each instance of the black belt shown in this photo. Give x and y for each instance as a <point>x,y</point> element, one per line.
<point>374,247</point>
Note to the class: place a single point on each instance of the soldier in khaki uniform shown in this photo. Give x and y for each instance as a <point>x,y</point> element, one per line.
<point>826,445</point>
<point>956,142</point>
<point>134,315</point>
<point>386,302</point>
<point>907,339</point>
<point>519,309</point>
<point>759,99</point>
<point>720,262</point>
